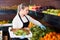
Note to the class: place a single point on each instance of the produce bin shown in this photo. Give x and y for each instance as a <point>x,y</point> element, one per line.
<point>53,20</point>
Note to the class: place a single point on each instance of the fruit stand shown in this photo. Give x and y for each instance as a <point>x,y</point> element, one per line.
<point>5,33</point>
<point>52,16</point>
<point>41,34</point>
<point>51,20</point>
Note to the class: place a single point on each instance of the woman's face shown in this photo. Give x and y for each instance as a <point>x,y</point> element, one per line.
<point>25,11</point>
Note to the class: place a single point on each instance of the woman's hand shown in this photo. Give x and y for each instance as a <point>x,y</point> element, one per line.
<point>42,27</point>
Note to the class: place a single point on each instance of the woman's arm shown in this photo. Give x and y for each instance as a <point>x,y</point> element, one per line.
<point>35,22</point>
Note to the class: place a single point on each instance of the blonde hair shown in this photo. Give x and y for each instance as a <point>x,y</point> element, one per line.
<point>22,6</point>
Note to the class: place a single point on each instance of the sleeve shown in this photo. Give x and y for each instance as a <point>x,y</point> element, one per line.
<point>35,22</point>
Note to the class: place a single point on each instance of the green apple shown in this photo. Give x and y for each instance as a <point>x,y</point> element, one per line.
<point>52,11</point>
<point>44,11</point>
<point>48,10</point>
<point>55,14</point>
<point>56,11</point>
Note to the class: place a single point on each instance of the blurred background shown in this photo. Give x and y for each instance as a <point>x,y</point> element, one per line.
<point>8,10</point>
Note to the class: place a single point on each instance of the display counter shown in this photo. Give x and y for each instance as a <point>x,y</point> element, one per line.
<point>4,28</point>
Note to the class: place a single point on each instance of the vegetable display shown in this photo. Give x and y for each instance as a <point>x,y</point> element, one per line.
<point>51,36</point>
<point>37,32</point>
<point>55,12</point>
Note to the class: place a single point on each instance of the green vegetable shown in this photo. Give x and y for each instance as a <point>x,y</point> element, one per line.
<point>20,32</point>
<point>52,11</point>
<point>37,32</point>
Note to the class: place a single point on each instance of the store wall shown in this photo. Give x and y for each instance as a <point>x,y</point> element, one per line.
<point>55,3</point>
<point>9,4</point>
<point>12,2</point>
<point>5,3</point>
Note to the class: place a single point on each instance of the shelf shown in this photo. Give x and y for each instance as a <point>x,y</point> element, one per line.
<point>5,25</point>
<point>52,14</point>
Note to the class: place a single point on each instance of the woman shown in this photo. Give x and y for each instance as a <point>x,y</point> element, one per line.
<point>21,20</point>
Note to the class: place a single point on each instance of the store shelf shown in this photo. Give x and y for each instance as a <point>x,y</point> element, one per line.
<point>53,20</point>
<point>51,14</point>
<point>6,25</point>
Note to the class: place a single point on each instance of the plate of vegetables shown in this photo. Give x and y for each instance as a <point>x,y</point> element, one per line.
<point>20,32</point>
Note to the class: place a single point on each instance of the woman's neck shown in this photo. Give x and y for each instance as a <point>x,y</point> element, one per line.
<point>21,15</point>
